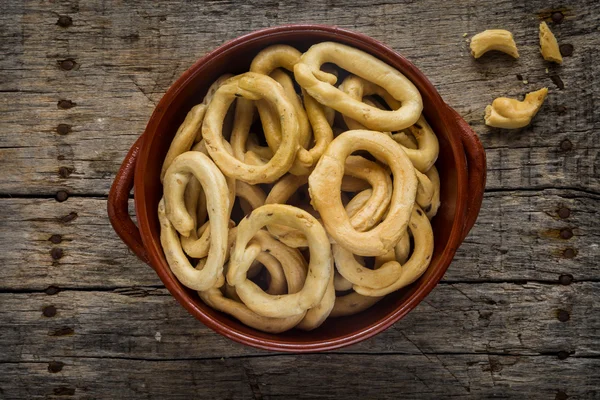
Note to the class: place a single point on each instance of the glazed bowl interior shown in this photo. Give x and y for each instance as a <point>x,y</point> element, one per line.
<point>189,90</point>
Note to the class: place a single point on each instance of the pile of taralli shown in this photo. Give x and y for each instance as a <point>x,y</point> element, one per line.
<point>302,189</point>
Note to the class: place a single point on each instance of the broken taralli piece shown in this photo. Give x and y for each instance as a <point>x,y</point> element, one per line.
<point>494,39</point>
<point>511,114</point>
<point>549,45</point>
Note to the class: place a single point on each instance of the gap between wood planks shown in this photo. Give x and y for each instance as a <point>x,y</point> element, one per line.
<point>104,196</point>
<point>106,289</point>
<point>327,353</point>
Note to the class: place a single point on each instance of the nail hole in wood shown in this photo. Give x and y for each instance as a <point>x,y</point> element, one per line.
<point>569,253</point>
<point>64,172</point>
<point>566,145</point>
<point>49,311</point>
<point>64,21</point>
<point>560,395</point>
<point>566,49</point>
<point>56,253</point>
<point>566,233</point>
<point>69,217</point>
<point>52,290</point>
<point>66,104</point>
<point>56,239</point>
<point>563,315</point>
<point>55,366</point>
<point>63,129</point>
<point>564,212</point>
<point>61,196</point>
<point>565,279</point>
<point>62,331</point>
<point>67,64</point>
<point>557,17</point>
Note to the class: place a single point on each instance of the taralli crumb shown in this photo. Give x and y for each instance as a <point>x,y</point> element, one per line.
<point>511,113</point>
<point>549,45</point>
<point>494,39</point>
<point>333,188</point>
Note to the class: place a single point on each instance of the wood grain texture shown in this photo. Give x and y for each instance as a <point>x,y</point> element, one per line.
<point>127,55</point>
<point>500,325</point>
<point>517,238</point>
<point>309,377</point>
<point>147,323</point>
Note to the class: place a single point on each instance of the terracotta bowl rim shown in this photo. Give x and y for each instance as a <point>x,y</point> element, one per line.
<point>154,249</point>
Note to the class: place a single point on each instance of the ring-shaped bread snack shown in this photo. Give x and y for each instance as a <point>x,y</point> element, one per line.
<point>325,184</point>
<point>319,269</point>
<point>319,313</point>
<point>340,283</point>
<point>190,129</point>
<point>293,263</point>
<point>272,130</point>
<point>215,299</point>
<point>432,209</point>
<point>347,265</point>
<point>401,137</point>
<point>368,214</point>
<point>369,68</point>
<point>419,260</point>
<point>291,260</point>
<point>251,196</point>
<point>425,155</point>
<point>277,282</point>
<point>197,243</point>
<point>209,270</point>
<point>294,277</point>
<point>254,87</point>
<point>425,190</point>
<point>199,166</point>
<point>282,56</point>
<point>353,303</point>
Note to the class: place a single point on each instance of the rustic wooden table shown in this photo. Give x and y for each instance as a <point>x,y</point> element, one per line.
<point>516,316</point>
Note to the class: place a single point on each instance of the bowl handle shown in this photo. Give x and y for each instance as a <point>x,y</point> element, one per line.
<point>118,204</point>
<point>476,169</point>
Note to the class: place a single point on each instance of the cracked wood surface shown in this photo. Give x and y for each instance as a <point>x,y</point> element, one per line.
<point>500,324</point>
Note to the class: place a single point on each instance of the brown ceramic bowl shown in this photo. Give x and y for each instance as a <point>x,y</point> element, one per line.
<point>461,165</point>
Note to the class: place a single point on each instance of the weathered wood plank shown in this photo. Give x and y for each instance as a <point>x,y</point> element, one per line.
<point>307,377</point>
<point>517,237</point>
<point>146,323</point>
<point>127,56</point>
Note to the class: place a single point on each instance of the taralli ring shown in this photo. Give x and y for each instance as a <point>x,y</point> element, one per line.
<point>254,87</point>
<point>369,68</point>
<point>426,153</point>
<point>319,269</point>
<point>197,243</point>
<point>369,213</point>
<point>325,183</point>
<point>283,56</point>
<point>418,261</point>
<point>349,268</point>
